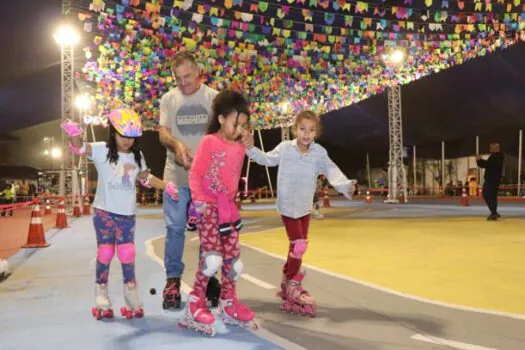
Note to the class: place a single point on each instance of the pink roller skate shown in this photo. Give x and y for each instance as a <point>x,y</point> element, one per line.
<point>197,316</point>
<point>298,300</point>
<point>235,313</point>
<point>134,306</point>
<point>103,304</point>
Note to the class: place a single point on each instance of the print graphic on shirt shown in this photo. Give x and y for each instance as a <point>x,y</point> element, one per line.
<point>122,173</point>
<point>217,163</point>
<point>190,119</point>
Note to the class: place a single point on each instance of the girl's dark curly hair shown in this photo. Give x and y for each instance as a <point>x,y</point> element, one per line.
<point>111,144</point>
<point>224,103</point>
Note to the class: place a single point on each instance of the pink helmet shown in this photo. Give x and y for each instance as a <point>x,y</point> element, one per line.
<point>126,122</point>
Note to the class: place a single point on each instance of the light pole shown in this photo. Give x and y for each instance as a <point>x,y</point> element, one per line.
<point>83,104</point>
<point>397,181</point>
<point>66,36</point>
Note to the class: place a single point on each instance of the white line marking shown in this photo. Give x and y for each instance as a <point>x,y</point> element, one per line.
<point>252,227</point>
<point>446,342</point>
<point>397,293</point>
<point>257,281</point>
<point>260,332</point>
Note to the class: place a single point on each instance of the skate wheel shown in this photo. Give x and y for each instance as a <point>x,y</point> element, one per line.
<point>126,313</point>
<point>139,313</point>
<point>108,313</point>
<point>169,304</point>
<point>96,313</point>
<point>210,332</point>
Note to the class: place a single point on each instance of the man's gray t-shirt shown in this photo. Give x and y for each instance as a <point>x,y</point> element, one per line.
<point>188,118</point>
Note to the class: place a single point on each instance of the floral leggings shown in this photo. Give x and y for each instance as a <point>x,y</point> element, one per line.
<point>114,232</point>
<point>226,246</point>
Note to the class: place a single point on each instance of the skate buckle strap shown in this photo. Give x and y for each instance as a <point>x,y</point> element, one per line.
<point>298,290</point>
<point>234,302</point>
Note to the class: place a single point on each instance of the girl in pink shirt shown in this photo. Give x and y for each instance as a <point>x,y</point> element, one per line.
<point>213,179</point>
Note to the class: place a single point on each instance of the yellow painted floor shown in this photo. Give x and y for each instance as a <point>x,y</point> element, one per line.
<point>466,261</point>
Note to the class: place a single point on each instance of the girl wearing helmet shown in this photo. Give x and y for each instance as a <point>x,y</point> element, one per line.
<point>119,163</point>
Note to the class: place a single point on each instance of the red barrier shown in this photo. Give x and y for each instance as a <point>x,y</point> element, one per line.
<point>13,206</point>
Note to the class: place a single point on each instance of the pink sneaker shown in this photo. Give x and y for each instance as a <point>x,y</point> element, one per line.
<point>197,316</point>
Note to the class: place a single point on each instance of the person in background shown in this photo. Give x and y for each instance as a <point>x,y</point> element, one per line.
<point>493,171</point>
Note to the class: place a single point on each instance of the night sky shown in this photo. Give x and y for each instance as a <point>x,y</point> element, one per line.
<point>484,97</point>
<point>26,29</point>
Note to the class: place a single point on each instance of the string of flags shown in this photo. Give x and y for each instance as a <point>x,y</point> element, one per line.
<point>315,54</point>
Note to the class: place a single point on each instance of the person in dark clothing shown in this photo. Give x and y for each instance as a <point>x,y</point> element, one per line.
<point>493,170</point>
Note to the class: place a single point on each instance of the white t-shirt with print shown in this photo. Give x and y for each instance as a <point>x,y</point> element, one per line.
<point>116,182</point>
<point>188,117</point>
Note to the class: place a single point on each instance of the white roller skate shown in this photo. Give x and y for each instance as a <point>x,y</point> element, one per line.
<point>235,313</point>
<point>134,306</point>
<point>103,304</point>
<point>297,300</point>
<point>197,316</point>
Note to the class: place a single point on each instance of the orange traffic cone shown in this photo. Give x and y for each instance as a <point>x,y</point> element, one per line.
<point>86,210</point>
<point>48,208</point>
<point>76,210</point>
<point>36,237</point>
<point>326,200</point>
<point>464,198</point>
<point>61,215</point>
<point>368,198</point>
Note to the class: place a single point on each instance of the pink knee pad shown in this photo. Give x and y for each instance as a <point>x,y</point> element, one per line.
<point>299,248</point>
<point>126,253</point>
<point>105,253</point>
